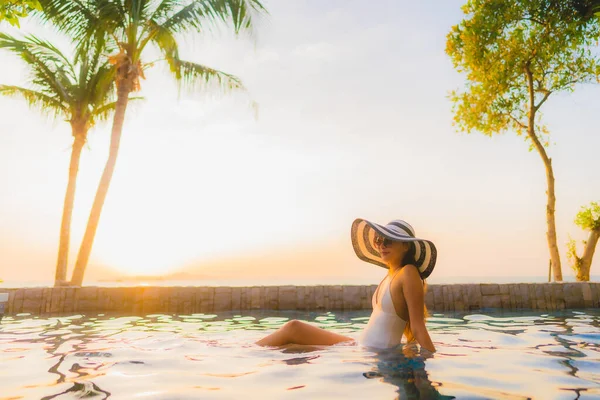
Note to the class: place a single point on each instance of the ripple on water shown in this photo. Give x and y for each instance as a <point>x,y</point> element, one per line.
<point>161,356</point>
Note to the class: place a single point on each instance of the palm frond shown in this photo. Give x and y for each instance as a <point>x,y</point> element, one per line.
<point>103,113</point>
<point>94,89</point>
<point>102,81</point>
<point>74,17</point>
<point>137,10</point>
<point>48,65</point>
<point>191,75</point>
<point>59,86</point>
<point>242,14</point>
<point>166,43</point>
<point>164,8</point>
<point>192,16</point>
<point>89,22</point>
<point>200,14</point>
<point>47,51</point>
<point>45,103</point>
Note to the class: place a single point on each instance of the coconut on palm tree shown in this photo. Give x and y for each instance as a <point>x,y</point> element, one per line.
<point>134,27</point>
<point>81,93</point>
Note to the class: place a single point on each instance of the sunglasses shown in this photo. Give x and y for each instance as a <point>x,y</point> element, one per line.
<point>381,241</point>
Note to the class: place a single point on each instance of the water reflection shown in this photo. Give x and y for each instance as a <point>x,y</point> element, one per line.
<point>504,355</point>
<point>299,360</point>
<point>405,369</point>
<point>82,390</point>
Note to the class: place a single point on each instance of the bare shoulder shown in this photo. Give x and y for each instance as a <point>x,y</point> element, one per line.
<point>411,284</point>
<point>410,273</point>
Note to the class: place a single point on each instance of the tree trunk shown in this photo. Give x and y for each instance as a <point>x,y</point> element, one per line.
<point>588,255</point>
<point>80,135</point>
<point>550,220</point>
<point>85,250</point>
<point>551,198</point>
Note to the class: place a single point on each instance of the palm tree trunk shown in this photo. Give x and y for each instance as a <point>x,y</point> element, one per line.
<point>85,250</point>
<point>60,277</point>
<point>551,198</point>
<point>588,254</point>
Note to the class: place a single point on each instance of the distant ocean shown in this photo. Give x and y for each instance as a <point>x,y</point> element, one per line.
<point>290,281</point>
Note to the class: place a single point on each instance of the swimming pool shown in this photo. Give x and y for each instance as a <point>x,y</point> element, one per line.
<point>488,355</point>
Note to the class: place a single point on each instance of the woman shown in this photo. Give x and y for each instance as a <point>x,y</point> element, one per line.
<point>398,302</point>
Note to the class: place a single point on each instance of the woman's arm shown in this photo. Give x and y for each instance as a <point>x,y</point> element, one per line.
<point>412,286</point>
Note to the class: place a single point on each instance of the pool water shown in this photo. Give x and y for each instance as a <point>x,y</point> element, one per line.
<point>479,356</point>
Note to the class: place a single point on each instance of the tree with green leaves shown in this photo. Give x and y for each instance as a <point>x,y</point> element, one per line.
<point>587,219</point>
<point>81,93</point>
<point>12,10</point>
<point>515,55</point>
<point>134,26</point>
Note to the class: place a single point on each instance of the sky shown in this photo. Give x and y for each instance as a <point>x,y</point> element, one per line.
<point>353,120</point>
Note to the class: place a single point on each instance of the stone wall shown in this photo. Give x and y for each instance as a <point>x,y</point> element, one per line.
<point>187,300</point>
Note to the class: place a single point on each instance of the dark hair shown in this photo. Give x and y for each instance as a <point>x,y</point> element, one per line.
<point>407,329</point>
<point>409,256</point>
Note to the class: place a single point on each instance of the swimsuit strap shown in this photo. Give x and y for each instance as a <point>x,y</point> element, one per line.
<point>389,285</point>
<point>391,279</point>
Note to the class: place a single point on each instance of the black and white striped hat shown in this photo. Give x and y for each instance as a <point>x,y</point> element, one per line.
<point>363,234</point>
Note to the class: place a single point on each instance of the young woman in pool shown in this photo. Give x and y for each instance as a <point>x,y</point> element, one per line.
<point>399,301</point>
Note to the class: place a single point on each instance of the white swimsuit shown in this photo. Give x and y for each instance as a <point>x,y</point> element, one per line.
<point>385,327</point>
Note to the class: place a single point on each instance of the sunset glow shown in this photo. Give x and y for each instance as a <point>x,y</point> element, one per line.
<point>204,178</point>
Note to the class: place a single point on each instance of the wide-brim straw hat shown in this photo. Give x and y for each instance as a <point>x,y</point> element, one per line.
<point>363,234</point>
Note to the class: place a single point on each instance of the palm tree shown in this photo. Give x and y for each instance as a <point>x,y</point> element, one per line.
<point>81,93</point>
<point>133,26</point>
